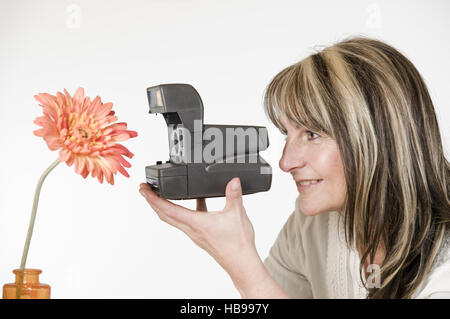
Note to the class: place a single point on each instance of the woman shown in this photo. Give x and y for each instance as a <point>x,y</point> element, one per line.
<point>373,215</point>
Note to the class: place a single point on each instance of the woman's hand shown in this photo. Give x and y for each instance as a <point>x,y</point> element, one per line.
<point>227,235</point>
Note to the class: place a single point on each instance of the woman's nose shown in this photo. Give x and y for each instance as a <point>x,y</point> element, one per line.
<point>291,158</point>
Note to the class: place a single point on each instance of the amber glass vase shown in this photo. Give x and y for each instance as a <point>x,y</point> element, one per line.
<point>31,287</point>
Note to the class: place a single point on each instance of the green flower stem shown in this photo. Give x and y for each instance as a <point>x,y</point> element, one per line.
<point>33,217</point>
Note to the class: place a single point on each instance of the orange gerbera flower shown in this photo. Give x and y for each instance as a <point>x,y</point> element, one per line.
<point>81,129</point>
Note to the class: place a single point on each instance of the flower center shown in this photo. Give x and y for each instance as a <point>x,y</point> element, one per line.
<point>82,130</point>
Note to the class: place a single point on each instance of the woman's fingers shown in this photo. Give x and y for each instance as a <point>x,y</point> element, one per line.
<point>201,205</point>
<point>233,193</point>
<point>174,214</point>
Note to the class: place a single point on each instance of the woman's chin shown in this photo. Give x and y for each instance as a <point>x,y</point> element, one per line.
<point>310,211</point>
<point>313,209</point>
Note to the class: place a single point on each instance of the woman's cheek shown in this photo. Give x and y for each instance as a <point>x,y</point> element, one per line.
<point>328,165</point>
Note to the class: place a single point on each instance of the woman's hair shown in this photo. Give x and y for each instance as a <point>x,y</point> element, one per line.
<point>371,99</point>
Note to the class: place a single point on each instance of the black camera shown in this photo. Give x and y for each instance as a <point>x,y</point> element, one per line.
<point>204,158</point>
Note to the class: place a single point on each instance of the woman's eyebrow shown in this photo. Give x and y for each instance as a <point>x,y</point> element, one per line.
<point>300,127</point>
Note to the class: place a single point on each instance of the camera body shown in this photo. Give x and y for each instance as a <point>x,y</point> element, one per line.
<point>204,158</point>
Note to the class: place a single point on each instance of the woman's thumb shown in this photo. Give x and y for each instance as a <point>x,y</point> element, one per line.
<point>233,193</point>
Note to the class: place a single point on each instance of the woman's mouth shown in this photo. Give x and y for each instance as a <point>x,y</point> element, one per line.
<point>308,185</point>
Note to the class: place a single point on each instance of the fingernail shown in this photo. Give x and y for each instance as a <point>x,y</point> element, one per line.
<point>235,186</point>
<point>142,192</point>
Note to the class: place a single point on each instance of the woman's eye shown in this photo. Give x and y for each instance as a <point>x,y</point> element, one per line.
<point>312,135</point>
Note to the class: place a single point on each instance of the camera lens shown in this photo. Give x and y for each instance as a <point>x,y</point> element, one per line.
<point>175,141</point>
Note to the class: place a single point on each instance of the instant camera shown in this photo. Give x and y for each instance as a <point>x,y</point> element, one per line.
<point>204,158</point>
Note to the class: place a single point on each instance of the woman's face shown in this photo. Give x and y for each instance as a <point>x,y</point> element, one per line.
<point>312,157</point>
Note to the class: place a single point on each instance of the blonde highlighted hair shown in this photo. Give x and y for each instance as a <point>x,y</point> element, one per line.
<point>371,99</point>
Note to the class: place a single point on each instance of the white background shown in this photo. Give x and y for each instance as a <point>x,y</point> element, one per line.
<point>103,241</point>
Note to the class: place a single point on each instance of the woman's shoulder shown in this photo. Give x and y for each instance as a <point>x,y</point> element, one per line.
<point>437,282</point>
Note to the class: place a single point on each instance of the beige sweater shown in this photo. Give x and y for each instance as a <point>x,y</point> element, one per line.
<point>311,260</point>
